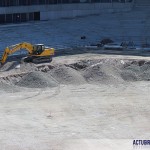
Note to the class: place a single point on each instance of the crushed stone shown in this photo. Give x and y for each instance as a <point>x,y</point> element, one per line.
<point>102,71</point>
<point>67,75</point>
<point>37,80</point>
<point>4,88</point>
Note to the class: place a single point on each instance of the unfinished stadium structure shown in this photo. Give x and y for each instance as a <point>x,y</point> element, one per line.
<point>27,10</point>
<point>64,22</point>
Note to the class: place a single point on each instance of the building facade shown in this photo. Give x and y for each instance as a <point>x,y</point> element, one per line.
<point>15,11</point>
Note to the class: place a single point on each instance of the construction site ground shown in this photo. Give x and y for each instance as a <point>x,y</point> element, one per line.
<point>65,104</point>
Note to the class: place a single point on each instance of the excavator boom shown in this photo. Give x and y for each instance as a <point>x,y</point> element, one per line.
<point>12,49</point>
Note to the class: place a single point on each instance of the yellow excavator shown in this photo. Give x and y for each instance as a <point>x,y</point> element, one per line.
<point>36,53</point>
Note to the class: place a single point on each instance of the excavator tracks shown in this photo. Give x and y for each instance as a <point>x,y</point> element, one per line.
<point>37,60</point>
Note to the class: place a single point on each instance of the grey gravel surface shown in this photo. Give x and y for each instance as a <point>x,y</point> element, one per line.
<point>4,87</point>
<point>67,75</point>
<point>98,71</point>
<point>37,80</point>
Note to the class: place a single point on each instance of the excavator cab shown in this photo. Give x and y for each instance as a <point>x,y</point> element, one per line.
<point>38,49</point>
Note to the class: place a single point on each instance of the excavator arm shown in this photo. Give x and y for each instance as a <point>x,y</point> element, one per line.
<point>12,49</point>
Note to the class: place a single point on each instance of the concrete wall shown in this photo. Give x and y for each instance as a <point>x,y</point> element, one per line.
<point>74,10</point>
<point>142,2</point>
<point>68,10</point>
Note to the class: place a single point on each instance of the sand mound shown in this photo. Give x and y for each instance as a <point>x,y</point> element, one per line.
<point>67,75</point>
<point>9,66</point>
<point>37,80</point>
<point>136,72</point>
<point>111,71</point>
<point>27,67</point>
<point>24,67</point>
<point>102,73</point>
<point>4,87</point>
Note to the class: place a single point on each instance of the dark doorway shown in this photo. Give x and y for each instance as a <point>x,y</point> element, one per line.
<point>36,15</point>
<point>2,19</point>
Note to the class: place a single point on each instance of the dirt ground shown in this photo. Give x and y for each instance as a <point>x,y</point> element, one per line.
<point>85,114</point>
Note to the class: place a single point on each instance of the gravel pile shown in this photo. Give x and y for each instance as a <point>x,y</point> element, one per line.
<point>116,71</point>
<point>9,66</point>
<point>28,67</point>
<point>67,75</point>
<point>83,64</point>
<point>8,88</point>
<point>24,67</point>
<point>102,73</point>
<point>136,72</point>
<point>37,80</point>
